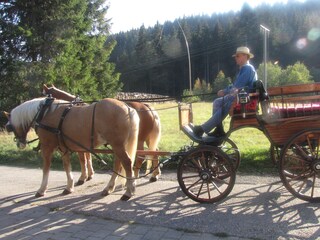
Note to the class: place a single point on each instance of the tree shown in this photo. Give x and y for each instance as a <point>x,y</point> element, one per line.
<point>274,74</point>
<point>220,82</point>
<point>293,74</point>
<point>296,74</point>
<point>57,41</point>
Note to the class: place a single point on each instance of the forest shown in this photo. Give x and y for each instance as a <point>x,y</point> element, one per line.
<point>155,59</point>
<point>69,43</point>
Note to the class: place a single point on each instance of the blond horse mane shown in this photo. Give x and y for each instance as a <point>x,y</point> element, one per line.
<point>24,114</point>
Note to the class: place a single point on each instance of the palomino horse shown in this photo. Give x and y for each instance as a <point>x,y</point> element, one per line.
<point>79,128</point>
<point>149,132</point>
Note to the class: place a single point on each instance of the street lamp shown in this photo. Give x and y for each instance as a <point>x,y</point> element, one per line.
<point>189,60</point>
<point>265,31</point>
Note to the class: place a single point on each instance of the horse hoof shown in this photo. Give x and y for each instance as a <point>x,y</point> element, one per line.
<point>79,183</point>
<point>153,179</point>
<point>66,192</point>
<point>125,198</point>
<point>89,178</point>
<point>39,195</point>
<point>104,193</point>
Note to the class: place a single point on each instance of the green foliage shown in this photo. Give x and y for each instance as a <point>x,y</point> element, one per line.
<point>63,42</point>
<point>189,96</point>
<point>293,74</point>
<point>220,82</point>
<point>212,40</point>
<point>201,92</point>
<point>274,74</point>
<point>296,74</point>
<point>202,89</point>
<point>67,42</point>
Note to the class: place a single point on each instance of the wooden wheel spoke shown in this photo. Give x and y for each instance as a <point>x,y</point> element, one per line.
<point>301,152</point>
<point>194,184</point>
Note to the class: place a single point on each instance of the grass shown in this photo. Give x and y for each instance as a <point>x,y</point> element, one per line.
<point>253,145</point>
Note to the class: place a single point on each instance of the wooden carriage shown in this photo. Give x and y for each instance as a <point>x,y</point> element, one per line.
<point>289,116</point>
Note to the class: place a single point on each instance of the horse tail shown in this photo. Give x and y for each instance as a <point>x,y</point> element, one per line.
<point>132,142</point>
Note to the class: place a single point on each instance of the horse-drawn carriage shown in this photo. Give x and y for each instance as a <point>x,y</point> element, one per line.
<point>289,117</point>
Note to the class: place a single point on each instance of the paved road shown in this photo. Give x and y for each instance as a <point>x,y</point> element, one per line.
<point>259,207</point>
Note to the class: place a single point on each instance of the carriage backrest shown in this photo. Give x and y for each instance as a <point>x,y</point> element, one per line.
<point>294,100</point>
<point>258,94</point>
<point>294,89</point>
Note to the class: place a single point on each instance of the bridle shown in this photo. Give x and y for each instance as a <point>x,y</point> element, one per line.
<point>19,139</point>
<point>38,116</point>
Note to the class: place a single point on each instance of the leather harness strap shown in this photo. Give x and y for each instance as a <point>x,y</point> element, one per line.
<point>62,136</point>
<point>92,128</point>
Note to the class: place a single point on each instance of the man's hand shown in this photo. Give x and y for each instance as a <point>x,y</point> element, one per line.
<point>220,93</point>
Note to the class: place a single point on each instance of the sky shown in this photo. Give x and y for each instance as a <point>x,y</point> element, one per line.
<point>132,14</point>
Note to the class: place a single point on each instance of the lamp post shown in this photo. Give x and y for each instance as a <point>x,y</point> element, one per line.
<point>189,60</point>
<point>265,31</point>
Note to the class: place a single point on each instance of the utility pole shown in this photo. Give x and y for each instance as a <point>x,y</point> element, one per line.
<point>266,32</point>
<point>189,60</point>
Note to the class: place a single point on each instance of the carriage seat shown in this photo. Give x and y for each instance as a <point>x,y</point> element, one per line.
<point>294,101</point>
<point>257,94</point>
<point>295,110</point>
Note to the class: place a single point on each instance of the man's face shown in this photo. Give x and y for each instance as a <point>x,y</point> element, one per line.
<point>241,58</point>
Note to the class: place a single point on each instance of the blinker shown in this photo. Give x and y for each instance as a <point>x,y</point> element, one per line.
<point>9,128</point>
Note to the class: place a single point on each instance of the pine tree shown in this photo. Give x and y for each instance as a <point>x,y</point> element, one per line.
<point>63,42</point>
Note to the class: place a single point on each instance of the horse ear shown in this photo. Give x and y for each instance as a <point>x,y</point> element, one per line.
<point>45,87</point>
<point>6,114</point>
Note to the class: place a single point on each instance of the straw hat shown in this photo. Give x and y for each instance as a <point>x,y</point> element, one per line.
<point>243,50</point>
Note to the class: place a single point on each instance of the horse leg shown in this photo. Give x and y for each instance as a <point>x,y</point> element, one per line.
<point>153,164</point>
<point>127,165</point>
<point>67,167</point>
<point>87,171</point>
<point>89,166</point>
<point>139,160</point>
<point>152,142</point>
<point>125,169</point>
<point>84,172</point>
<point>130,179</point>
<point>117,168</point>
<point>46,163</point>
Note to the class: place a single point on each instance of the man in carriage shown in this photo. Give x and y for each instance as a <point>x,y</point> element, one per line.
<point>246,79</point>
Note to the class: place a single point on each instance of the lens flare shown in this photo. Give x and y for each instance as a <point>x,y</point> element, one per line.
<point>314,34</point>
<point>302,43</point>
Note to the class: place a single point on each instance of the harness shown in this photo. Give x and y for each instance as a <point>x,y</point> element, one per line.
<point>61,136</point>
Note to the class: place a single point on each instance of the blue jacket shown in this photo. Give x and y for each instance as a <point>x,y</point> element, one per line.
<point>245,79</point>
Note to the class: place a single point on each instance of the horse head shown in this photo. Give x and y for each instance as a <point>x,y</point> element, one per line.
<point>47,90</point>
<point>21,119</point>
<point>57,93</point>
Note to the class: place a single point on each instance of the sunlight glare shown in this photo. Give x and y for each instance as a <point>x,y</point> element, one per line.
<point>314,34</point>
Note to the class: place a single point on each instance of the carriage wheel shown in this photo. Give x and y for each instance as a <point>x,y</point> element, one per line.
<point>206,174</point>
<point>275,154</point>
<point>300,165</point>
<point>232,150</point>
